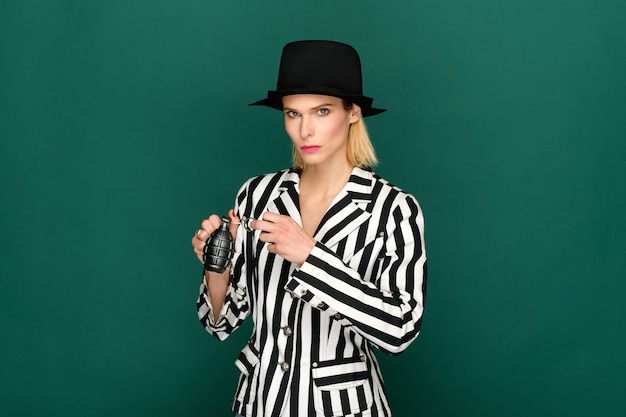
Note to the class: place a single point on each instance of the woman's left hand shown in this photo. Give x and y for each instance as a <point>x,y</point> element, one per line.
<point>284,237</point>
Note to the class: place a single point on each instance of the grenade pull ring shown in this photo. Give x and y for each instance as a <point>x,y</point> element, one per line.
<point>218,250</point>
<point>245,222</point>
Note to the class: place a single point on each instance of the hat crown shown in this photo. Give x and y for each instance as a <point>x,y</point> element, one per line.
<point>320,67</point>
<point>328,66</point>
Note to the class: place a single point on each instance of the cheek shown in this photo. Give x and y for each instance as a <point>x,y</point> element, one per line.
<point>291,129</point>
<point>337,128</point>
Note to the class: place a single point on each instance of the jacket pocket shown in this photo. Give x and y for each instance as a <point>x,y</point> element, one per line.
<point>341,386</point>
<point>247,362</point>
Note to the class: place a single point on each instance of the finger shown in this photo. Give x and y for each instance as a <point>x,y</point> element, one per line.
<point>201,235</point>
<point>200,257</point>
<point>262,225</point>
<point>198,243</point>
<point>234,222</point>
<point>198,248</point>
<point>270,217</point>
<point>210,224</point>
<point>266,237</point>
<point>207,226</point>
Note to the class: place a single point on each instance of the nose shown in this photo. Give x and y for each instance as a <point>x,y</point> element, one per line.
<point>306,127</point>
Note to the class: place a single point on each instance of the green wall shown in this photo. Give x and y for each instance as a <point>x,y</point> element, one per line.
<point>124,122</point>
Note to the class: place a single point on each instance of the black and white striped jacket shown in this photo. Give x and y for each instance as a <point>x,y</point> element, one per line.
<point>362,286</point>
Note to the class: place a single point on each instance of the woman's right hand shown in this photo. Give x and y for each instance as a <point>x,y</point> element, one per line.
<point>207,227</point>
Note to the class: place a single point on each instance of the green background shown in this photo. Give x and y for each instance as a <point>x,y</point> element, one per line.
<point>124,122</point>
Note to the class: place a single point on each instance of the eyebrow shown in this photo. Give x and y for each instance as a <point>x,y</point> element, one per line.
<point>312,108</point>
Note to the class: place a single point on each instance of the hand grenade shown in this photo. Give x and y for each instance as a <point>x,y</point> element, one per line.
<point>218,250</point>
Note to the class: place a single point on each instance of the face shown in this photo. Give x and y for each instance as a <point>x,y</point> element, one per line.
<point>318,127</point>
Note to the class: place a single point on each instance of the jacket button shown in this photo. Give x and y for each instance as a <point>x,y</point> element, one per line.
<point>321,305</point>
<point>314,364</point>
<point>362,358</point>
<point>284,366</point>
<point>287,331</point>
<point>303,291</point>
<point>338,316</point>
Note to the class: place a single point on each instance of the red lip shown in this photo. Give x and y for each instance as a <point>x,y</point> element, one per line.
<point>309,149</point>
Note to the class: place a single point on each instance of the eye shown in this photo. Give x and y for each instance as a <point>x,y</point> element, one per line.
<point>291,113</point>
<point>323,111</point>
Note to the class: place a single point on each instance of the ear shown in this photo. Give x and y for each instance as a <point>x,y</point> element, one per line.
<point>355,113</point>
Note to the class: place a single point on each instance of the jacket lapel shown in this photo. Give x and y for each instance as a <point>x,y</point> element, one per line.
<point>348,211</point>
<point>288,200</point>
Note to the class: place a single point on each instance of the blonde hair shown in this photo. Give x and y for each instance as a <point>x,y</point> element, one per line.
<point>359,152</point>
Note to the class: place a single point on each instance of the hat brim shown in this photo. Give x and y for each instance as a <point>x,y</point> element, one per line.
<point>274,100</point>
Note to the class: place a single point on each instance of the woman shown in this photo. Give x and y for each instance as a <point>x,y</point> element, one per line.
<point>333,263</point>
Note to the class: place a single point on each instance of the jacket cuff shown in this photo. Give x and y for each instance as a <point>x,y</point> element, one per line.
<point>302,285</point>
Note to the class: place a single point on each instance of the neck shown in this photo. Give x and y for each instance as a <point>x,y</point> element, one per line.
<point>327,180</point>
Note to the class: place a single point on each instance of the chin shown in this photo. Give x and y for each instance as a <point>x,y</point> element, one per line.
<point>309,160</point>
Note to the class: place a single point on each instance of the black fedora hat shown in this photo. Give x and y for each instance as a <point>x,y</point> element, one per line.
<point>320,67</point>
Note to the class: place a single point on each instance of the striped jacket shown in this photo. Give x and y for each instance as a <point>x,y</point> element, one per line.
<point>363,286</point>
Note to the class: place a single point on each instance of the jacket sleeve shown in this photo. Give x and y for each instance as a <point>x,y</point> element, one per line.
<point>385,308</point>
<point>236,305</point>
